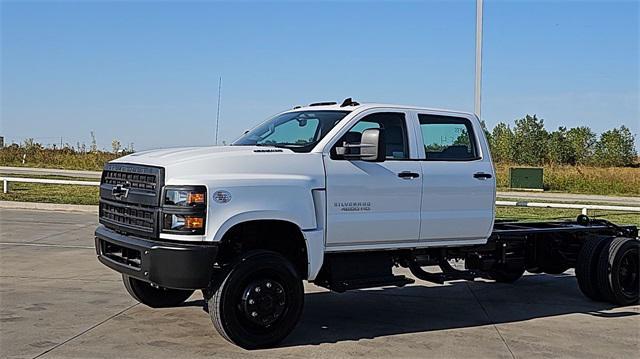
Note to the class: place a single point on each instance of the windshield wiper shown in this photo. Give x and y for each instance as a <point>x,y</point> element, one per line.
<point>282,145</point>
<point>294,145</point>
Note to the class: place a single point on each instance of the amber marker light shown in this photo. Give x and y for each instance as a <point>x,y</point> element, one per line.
<point>196,198</point>
<point>194,222</point>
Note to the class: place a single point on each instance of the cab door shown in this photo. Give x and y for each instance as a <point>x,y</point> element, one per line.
<point>458,187</point>
<point>375,203</point>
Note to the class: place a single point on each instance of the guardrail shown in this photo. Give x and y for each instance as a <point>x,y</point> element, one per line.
<point>583,207</point>
<point>26,171</point>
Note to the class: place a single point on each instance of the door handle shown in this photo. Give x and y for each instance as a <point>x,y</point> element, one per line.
<point>408,175</point>
<point>482,175</point>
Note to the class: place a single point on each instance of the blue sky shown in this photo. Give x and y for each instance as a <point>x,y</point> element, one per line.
<point>147,72</point>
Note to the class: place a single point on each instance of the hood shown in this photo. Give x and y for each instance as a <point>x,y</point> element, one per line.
<point>174,156</point>
<point>195,164</point>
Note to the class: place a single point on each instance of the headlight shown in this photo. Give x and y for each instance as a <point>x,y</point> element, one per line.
<point>188,224</point>
<point>185,196</point>
<point>184,210</point>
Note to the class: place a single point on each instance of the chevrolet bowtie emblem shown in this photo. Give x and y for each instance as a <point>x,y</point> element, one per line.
<point>121,191</point>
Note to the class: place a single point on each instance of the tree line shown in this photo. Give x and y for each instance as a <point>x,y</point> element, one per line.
<point>529,143</point>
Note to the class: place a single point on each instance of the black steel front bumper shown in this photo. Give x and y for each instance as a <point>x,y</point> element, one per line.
<point>166,264</point>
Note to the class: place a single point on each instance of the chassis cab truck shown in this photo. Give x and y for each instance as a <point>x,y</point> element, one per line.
<point>336,195</point>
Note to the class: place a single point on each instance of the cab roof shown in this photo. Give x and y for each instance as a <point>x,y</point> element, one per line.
<point>329,106</point>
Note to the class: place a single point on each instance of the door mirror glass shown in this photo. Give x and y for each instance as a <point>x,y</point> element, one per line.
<point>371,147</point>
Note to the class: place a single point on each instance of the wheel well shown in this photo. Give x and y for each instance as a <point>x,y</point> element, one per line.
<point>279,236</point>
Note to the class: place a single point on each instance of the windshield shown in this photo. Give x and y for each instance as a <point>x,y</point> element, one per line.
<point>298,131</point>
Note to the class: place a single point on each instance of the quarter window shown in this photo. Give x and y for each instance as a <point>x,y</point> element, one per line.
<point>447,138</point>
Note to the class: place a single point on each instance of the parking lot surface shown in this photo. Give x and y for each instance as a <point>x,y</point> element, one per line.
<point>56,300</point>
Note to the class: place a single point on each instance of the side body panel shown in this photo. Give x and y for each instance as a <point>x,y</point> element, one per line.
<point>457,205</point>
<point>367,202</point>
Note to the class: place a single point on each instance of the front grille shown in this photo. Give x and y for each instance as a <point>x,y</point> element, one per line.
<point>130,198</point>
<point>134,180</point>
<point>141,217</point>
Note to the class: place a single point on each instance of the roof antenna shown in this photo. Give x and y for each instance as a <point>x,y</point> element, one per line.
<point>218,114</point>
<point>349,102</point>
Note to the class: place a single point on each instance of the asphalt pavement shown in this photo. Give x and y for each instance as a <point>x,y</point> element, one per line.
<point>57,301</point>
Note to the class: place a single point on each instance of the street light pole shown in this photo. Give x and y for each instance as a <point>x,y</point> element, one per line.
<point>478,84</point>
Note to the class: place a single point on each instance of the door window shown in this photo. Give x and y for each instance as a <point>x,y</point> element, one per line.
<point>395,133</point>
<point>447,138</point>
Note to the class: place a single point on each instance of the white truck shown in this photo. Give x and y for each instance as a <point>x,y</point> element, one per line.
<point>337,195</point>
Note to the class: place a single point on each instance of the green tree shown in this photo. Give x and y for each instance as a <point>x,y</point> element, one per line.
<point>30,144</point>
<point>560,150</point>
<point>529,141</point>
<point>94,143</point>
<point>615,148</point>
<point>582,141</point>
<point>501,143</point>
<point>115,146</point>
<point>487,134</point>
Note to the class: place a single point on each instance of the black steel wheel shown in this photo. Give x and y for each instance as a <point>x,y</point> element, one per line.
<point>259,302</point>
<point>587,265</point>
<point>154,297</point>
<point>618,271</point>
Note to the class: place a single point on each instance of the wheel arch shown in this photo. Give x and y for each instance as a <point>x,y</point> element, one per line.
<point>276,233</point>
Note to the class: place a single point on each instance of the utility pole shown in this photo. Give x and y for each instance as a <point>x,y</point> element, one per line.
<point>478,85</point>
<point>218,114</point>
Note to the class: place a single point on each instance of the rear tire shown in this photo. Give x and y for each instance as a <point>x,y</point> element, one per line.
<point>259,302</point>
<point>618,271</point>
<point>587,266</point>
<point>161,297</point>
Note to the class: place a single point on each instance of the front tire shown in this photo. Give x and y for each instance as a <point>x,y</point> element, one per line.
<point>259,302</point>
<point>154,297</point>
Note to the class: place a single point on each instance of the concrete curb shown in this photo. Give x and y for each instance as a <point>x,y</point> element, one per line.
<point>49,206</point>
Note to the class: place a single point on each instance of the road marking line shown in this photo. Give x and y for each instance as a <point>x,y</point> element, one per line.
<point>84,331</point>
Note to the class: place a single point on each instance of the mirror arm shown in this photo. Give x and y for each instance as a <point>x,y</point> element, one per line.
<point>357,145</point>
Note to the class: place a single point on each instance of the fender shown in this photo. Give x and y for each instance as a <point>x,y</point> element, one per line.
<point>252,216</point>
<point>314,237</point>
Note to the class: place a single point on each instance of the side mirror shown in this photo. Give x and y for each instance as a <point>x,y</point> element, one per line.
<point>371,147</point>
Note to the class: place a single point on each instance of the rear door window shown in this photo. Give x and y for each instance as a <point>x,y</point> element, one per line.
<point>447,138</point>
